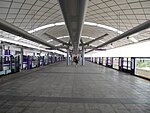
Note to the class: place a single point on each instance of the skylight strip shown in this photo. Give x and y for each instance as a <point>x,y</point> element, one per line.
<point>68,36</point>
<point>85,23</point>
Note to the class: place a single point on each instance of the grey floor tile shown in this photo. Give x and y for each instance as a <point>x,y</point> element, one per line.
<point>122,111</point>
<point>132,106</point>
<point>16,110</point>
<point>69,89</point>
<point>136,111</point>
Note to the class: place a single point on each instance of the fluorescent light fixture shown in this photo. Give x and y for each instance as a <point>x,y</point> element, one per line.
<point>56,51</point>
<point>50,40</point>
<point>133,40</point>
<point>101,41</point>
<point>58,45</point>
<point>68,36</point>
<point>93,45</point>
<point>120,32</point>
<point>85,23</point>
<point>84,36</point>
<point>17,38</point>
<point>60,37</point>
<point>65,36</point>
<point>87,37</point>
<point>91,38</point>
<point>111,46</point>
<point>59,23</point>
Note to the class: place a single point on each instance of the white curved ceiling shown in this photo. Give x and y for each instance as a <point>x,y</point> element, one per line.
<point>119,14</point>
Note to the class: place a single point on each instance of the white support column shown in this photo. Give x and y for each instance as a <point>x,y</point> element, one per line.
<point>1,55</point>
<point>48,58</point>
<point>1,49</point>
<point>68,52</point>
<point>83,60</point>
<point>21,58</point>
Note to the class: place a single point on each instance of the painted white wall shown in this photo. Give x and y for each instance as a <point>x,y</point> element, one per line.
<point>141,49</point>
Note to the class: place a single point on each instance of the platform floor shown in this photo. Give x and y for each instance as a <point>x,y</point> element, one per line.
<point>59,88</point>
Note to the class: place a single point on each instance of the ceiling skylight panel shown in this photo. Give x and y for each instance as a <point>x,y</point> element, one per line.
<point>16,5</point>
<point>4,4</point>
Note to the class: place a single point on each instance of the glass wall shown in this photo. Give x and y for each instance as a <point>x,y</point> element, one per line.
<point>97,60</point>
<point>129,63</point>
<point>109,61</point>
<point>104,61</point>
<point>115,63</point>
<point>142,67</point>
<point>125,63</point>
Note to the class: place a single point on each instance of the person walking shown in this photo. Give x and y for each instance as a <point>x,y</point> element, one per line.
<point>76,60</point>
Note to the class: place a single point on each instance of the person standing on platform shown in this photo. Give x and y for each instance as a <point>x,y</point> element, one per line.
<point>76,60</point>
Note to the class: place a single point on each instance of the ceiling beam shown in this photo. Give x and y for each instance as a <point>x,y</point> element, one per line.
<point>63,47</point>
<point>60,41</point>
<point>74,13</point>
<point>134,30</point>
<point>89,47</point>
<point>82,44</point>
<point>57,47</point>
<point>89,42</point>
<point>92,47</point>
<point>10,28</point>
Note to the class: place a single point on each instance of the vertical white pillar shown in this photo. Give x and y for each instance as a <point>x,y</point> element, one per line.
<point>68,52</point>
<point>47,60</point>
<point>1,57</point>
<point>21,58</point>
<point>83,60</point>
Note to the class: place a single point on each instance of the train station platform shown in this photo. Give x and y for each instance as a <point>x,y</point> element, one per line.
<point>59,88</point>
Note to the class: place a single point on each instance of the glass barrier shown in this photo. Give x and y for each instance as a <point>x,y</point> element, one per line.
<point>129,63</point>
<point>125,63</point>
<point>142,67</point>
<point>9,64</point>
<point>97,60</point>
<point>104,61</point>
<point>109,61</point>
<point>115,63</point>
